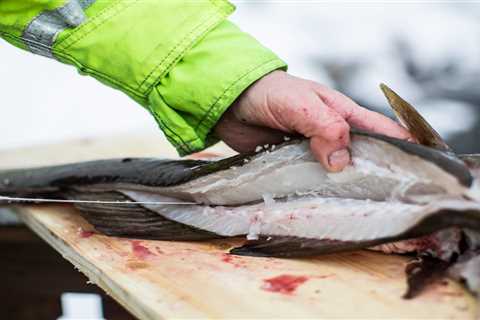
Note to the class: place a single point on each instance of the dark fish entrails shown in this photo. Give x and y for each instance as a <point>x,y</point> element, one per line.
<point>395,197</point>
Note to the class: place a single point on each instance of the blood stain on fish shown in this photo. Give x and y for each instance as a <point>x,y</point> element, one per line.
<point>284,284</point>
<point>254,219</point>
<point>140,251</point>
<point>291,216</point>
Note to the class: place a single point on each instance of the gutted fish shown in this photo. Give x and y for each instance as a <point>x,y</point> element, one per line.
<point>396,196</point>
<point>383,168</point>
<point>389,181</point>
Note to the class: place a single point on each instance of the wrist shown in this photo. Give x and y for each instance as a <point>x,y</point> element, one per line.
<point>255,97</point>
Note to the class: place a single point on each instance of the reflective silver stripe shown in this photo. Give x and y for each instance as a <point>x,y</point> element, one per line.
<point>41,32</point>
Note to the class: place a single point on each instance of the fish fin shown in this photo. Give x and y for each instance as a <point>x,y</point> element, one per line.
<point>288,247</point>
<point>409,117</point>
<point>132,220</point>
<point>421,272</point>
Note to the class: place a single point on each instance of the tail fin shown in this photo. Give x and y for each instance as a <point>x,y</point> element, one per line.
<point>52,180</point>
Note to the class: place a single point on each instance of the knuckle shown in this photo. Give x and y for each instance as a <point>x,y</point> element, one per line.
<point>330,96</point>
<point>333,98</point>
<point>304,116</point>
<point>320,88</point>
<point>336,130</point>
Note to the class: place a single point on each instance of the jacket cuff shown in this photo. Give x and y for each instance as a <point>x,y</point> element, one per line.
<point>188,102</point>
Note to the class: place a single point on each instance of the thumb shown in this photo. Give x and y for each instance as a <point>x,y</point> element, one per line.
<point>332,149</point>
<point>329,135</point>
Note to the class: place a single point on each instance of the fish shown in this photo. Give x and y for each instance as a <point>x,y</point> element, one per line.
<point>388,175</point>
<point>396,196</point>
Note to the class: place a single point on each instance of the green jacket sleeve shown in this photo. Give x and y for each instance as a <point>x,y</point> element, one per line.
<point>180,59</point>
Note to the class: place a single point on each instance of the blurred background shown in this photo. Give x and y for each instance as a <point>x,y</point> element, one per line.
<point>428,51</point>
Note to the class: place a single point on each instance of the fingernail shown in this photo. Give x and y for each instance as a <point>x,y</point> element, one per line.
<point>339,159</point>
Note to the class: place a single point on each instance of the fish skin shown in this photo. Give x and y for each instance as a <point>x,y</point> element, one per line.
<point>133,220</point>
<point>295,247</point>
<point>421,272</point>
<point>55,179</point>
<point>443,244</point>
<point>177,178</point>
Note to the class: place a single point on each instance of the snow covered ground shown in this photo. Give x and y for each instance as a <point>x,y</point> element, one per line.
<point>429,51</point>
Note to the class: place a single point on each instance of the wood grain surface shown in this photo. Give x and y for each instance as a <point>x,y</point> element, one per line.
<point>161,279</point>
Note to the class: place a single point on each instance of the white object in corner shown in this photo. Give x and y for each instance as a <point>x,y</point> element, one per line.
<point>81,306</point>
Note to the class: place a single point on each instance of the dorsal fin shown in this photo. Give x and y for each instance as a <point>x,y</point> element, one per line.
<point>408,116</point>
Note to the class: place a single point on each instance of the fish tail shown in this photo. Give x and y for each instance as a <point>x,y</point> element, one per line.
<point>54,179</point>
<point>25,183</point>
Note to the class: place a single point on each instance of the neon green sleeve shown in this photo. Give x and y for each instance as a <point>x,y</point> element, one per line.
<point>180,59</point>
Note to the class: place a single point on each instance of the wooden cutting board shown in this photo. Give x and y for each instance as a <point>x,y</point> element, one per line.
<point>161,279</point>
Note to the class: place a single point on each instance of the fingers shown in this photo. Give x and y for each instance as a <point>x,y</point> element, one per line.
<point>289,104</point>
<point>329,134</point>
<point>243,137</point>
<point>375,122</point>
<point>332,156</point>
<point>360,117</point>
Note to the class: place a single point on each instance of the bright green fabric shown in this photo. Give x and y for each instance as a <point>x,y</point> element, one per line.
<point>194,95</point>
<point>131,44</point>
<point>180,59</point>
<point>15,15</point>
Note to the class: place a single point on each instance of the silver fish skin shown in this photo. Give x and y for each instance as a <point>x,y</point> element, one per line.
<point>379,171</point>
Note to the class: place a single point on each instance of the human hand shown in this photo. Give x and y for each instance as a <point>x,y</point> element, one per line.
<point>280,104</point>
